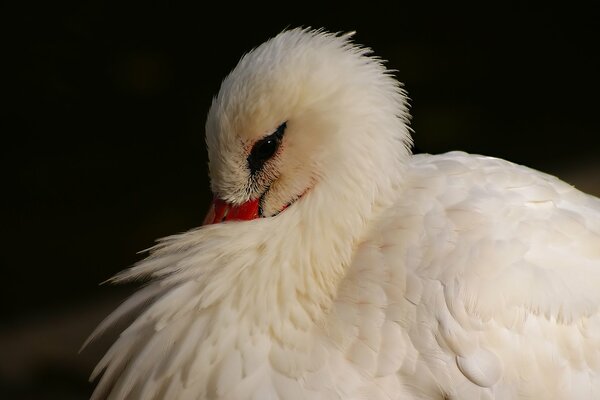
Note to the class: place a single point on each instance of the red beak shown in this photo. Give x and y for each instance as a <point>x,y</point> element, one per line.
<point>221,211</point>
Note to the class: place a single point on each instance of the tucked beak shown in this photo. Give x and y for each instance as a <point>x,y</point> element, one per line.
<point>221,211</point>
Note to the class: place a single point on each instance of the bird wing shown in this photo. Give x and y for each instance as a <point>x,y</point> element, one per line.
<point>484,282</point>
<point>505,263</point>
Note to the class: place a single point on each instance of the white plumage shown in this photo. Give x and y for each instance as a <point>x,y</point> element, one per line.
<point>389,276</point>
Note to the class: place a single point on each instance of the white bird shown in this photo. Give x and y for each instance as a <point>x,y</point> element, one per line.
<point>348,268</point>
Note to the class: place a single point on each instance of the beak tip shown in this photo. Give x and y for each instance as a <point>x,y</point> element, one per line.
<point>221,211</point>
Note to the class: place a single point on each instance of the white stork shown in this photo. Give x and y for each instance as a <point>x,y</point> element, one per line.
<point>337,265</point>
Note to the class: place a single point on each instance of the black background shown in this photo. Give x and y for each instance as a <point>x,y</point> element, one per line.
<point>103,148</point>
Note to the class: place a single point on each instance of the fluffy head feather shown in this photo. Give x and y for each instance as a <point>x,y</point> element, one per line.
<point>338,105</point>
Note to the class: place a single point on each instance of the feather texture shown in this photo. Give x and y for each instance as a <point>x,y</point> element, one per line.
<point>393,277</point>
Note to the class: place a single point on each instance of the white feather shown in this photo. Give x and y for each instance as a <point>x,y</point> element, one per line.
<point>390,276</point>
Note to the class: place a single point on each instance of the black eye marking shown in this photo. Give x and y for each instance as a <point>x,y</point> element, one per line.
<point>264,149</point>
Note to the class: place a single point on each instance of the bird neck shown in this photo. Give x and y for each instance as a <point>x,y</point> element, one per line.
<point>321,235</point>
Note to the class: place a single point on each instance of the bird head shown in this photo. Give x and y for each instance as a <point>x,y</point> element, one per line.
<point>302,109</point>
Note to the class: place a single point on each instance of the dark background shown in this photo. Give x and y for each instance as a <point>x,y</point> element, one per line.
<point>103,147</point>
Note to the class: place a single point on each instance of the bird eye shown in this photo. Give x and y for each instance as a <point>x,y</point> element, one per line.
<point>264,149</point>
